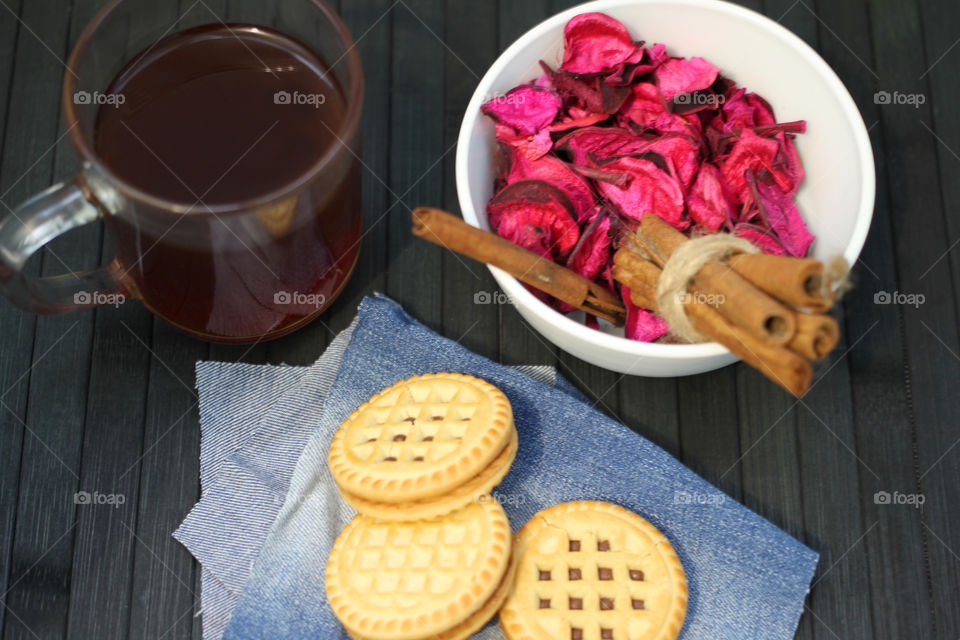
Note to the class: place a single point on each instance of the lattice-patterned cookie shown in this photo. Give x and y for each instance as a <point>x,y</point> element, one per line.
<point>476,620</point>
<point>469,491</point>
<point>391,580</point>
<point>420,438</point>
<point>594,571</point>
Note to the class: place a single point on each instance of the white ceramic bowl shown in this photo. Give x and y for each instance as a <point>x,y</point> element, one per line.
<point>835,199</point>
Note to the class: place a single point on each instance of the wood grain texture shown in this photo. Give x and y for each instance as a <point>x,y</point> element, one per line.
<point>36,524</point>
<point>881,416</point>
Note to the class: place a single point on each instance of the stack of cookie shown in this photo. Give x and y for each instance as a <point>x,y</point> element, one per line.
<point>429,555</point>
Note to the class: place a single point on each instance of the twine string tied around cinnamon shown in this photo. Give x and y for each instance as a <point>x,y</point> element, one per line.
<point>680,270</point>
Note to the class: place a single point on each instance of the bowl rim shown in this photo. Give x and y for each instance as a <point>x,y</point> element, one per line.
<point>524,299</point>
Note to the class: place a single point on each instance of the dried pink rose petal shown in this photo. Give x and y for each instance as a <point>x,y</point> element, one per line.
<point>590,93</point>
<point>652,58</point>
<point>551,169</point>
<point>750,153</point>
<point>679,153</point>
<point>710,202</point>
<point>641,325</point>
<point>533,147</point>
<point>598,143</point>
<point>535,215</point>
<point>575,119</point>
<point>742,110</point>
<point>644,105</point>
<point>682,154</point>
<point>781,214</point>
<point>787,163</point>
<point>651,190</point>
<point>596,43</point>
<point>526,108</point>
<point>590,255</point>
<point>677,75</point>
<point>760,239</point>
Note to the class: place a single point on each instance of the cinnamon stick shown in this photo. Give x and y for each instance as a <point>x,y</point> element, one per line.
<point>451,232</point>
<point>799,282</point>
<point>740,302</point>
<point>778,363</point>
<point>817,335</point>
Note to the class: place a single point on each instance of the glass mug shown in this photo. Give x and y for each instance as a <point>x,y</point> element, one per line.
<point>252,265</point>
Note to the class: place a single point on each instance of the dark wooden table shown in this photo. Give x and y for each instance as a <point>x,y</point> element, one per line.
<point>104,401</point>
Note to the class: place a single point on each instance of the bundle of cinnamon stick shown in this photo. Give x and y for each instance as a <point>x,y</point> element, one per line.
<point>768,310</point>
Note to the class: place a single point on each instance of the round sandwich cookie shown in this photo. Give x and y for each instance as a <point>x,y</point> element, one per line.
<point>421,439</point>
<point>592,570</point>
<point>473,490</point>
<point>441,578</point>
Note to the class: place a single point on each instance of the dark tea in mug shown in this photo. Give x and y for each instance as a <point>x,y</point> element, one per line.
<point>219,117</point>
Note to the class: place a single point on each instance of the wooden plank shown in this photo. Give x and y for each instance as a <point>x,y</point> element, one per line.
<point>51,460</point>
<point>881,412</point>
<point>369,21</point>
<point>649,407</point>
<point>16,342</point>
<point>939,452</point>
<point>470,313</point>
<point>30,76</point>
<point>930,328</point>
<point>709,437</point>
<point>163,570</point>
<point>416,150</point>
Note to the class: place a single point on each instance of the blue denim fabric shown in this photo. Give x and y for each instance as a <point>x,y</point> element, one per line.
<point>254,423</point>
<point>748,579</point>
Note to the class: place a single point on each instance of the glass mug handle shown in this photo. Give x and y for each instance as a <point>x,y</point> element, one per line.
<point>32,225</point>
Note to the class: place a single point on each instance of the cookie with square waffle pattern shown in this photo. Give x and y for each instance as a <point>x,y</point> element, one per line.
<point>591,570</point>
<point>420,438</point>
<point>475,489</point>
<point>389,580</point>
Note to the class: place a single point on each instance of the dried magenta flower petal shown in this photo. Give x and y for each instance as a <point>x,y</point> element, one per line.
<point>641,325</point>
<point>590,255</point>
<point>782,217</point>
<point>590,144</point>
<point>551,169</point>
<point>750,153</point>
<point>764,241</point>
<point>742,110</point>
<point>677,75</point>
<point>629,71</point>
<point>532,147</point>
<point>644,105</point>
<point>590,93</point>
<point>710,203</point>
<point>528,109</point>
<point>535,215</point>
<point>596,43</point>
<point>651,190</point>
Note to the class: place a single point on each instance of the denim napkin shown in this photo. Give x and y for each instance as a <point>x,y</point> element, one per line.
<point>254,422</point>
<point>748,579</point>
